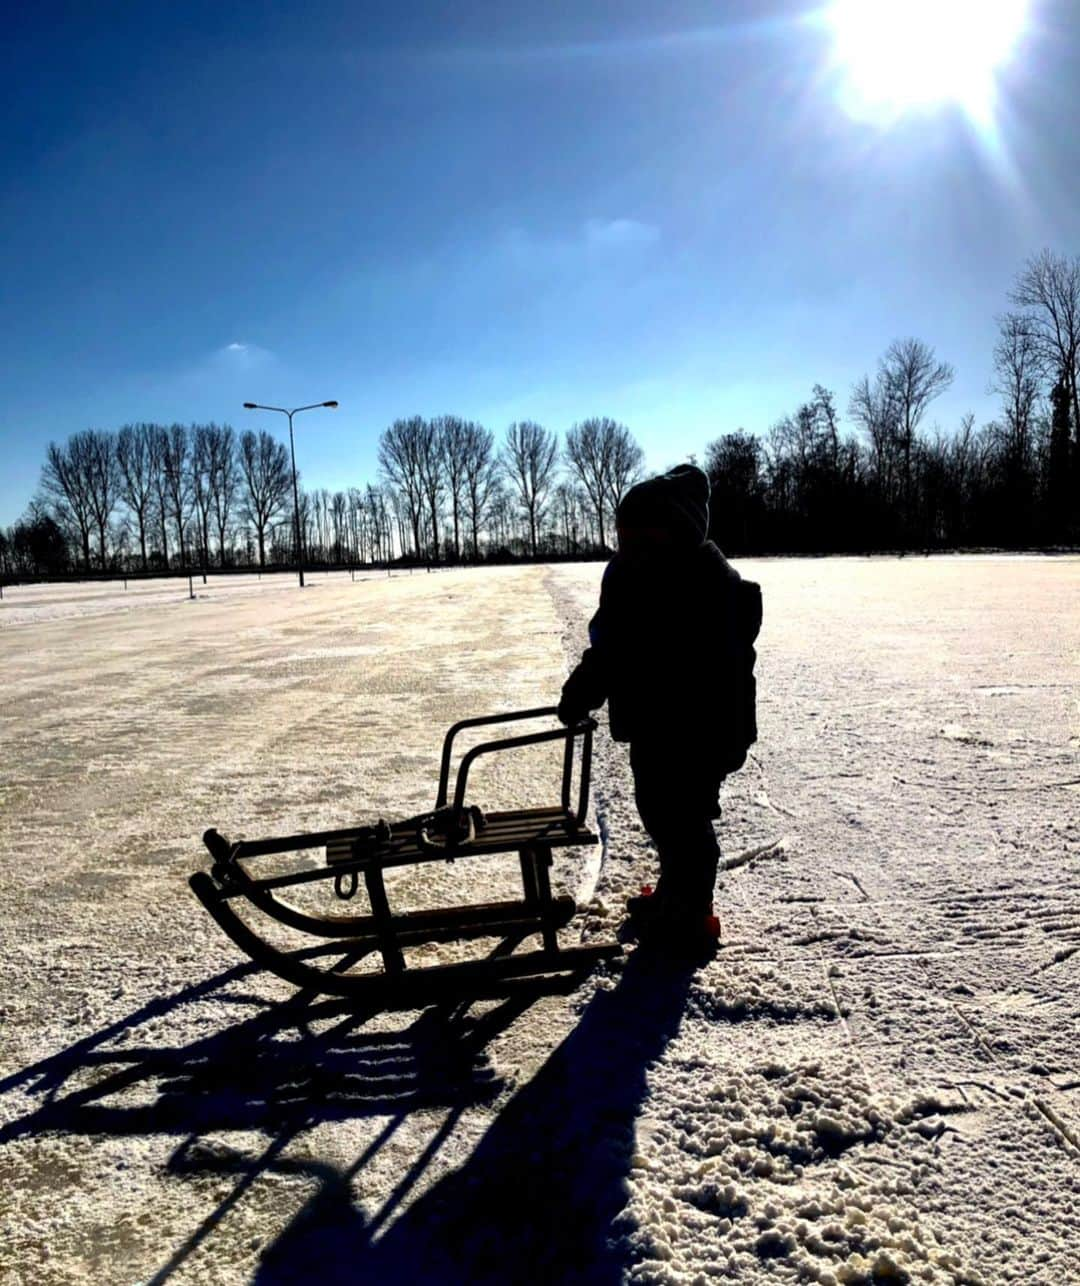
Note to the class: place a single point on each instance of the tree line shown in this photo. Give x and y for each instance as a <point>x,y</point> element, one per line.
<point>182,497</point>
<point>158,498</point>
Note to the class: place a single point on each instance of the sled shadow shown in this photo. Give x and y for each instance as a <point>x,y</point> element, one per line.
<point>539,1198</point>
<point>286,1066</point>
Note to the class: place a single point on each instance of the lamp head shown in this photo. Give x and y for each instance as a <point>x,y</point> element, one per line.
<point>330,404</point>
<point>249,406</point>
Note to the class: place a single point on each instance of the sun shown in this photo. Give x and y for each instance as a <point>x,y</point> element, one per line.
<point>897,56</point>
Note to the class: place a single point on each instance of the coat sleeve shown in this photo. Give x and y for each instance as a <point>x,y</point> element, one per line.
<point>588,686</point>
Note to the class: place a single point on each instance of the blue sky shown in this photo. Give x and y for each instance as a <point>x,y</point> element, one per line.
<point>663,212</point>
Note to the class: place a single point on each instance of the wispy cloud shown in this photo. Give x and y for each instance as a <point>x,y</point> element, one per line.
<point>240,355</point>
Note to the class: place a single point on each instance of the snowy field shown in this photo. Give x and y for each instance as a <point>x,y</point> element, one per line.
<point>876,1080</point>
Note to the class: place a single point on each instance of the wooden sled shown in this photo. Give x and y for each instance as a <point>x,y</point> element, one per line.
<point>451,832</point>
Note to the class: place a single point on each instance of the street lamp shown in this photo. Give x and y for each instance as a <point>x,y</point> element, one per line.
<point>257,406</point>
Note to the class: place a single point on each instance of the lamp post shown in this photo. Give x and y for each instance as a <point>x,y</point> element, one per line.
<point>257,406</point>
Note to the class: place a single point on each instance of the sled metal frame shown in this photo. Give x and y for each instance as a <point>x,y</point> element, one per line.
<point>353,854</point>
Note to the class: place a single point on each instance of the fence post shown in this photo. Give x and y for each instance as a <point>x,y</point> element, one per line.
<point>191,585</point>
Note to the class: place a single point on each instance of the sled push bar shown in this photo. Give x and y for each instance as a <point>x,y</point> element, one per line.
<point>446,834</point>
<point>584,729</point>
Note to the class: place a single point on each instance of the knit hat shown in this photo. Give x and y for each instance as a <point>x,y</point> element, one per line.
<point>677,500</point>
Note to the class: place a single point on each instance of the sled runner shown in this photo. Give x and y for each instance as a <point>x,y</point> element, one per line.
<point>452,831</point>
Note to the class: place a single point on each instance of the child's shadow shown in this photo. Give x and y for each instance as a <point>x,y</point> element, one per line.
<point>538,1198</point>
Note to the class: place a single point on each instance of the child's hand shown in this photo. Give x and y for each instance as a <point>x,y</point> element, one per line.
<point>568,713</point>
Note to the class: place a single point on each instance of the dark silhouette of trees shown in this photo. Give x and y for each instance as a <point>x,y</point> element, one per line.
<point>735,465</point>
<point>35,546</point>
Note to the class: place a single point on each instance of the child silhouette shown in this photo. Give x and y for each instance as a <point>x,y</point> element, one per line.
<point>671,651</point>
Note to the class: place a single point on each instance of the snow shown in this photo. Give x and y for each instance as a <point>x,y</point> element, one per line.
<point>875,1080</point>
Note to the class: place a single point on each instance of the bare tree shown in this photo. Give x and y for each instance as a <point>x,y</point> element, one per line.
<point>828,423</point>
<point>65,482</point>
<point>500,516</point>
<point>624,468</point>
<point>913,377</point>
<point>454,444</point>
<point>158,439</point>
<point>339,509</point>
<point>1018,373</point>
<point>590,450</point>
<point>264,464</point>
<point>103,483</point>
<point>402,517</point>
<point>568,511</point>
<point>377,523</point>
<point>873,409</point>
<point>432,477</point>
<point>1049,286</point>
<point>224,480</point>
<point>528,459</point>
<point>480,474</point>
<point>135,459</point>
<point>400,453</point>
<point>176,462</point>
<point>202,485</point>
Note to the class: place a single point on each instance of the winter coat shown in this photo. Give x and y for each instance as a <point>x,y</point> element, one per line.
<point>660,650</point>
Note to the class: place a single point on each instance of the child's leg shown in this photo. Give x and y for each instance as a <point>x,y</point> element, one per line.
<point>677,800</point>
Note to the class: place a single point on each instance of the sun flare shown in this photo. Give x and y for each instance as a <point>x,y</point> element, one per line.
<point>901,55</point>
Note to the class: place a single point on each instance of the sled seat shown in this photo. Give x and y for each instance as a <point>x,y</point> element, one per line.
<point>501,832</point>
